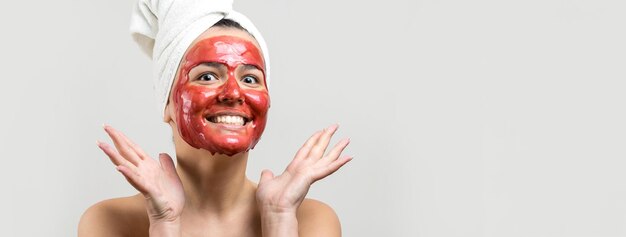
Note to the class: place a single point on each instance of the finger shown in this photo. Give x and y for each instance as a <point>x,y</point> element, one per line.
<point>337,149</point>
<point>306,148</point>
<point>122,146</point>
<point>141,154</point>
<point>265,176</point>
<point>331,168</point>
<point>133,178</point>
<point>168,165</point>
<point>320,147</point>
<point>138,152</point>
<point>113,155</point>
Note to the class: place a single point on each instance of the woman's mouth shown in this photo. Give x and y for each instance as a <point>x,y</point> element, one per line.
<point>229,119</point>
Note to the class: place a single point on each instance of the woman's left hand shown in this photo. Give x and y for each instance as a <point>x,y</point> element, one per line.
<point>284,193</point>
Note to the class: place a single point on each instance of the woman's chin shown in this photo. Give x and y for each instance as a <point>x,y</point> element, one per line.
<point>221,138</point>
<point>228,145</point>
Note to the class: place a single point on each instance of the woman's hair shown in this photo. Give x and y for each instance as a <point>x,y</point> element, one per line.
<point>228,23</point>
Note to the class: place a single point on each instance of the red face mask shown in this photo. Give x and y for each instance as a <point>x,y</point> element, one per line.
<point>221,102</point>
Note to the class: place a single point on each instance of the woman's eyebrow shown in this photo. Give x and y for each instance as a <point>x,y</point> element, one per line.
<point>213,64</point>
<point>251,67</point>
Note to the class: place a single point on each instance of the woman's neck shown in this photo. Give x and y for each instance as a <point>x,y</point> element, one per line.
<point>215,183</point>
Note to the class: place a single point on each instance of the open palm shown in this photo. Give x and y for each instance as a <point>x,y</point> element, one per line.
<point>285,192</point>
<point>157,181</point>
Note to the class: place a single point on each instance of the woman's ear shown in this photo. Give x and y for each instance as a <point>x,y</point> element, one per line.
<point>168,114</point>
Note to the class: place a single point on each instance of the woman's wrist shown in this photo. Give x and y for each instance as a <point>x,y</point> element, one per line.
<point>279,224</point>
<point>165,228</point>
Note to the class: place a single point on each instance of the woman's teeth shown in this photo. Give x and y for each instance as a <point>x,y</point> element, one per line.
<point>229,119</point>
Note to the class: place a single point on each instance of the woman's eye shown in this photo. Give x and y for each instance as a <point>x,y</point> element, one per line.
<point>207,77</point>
<point>250,80</point>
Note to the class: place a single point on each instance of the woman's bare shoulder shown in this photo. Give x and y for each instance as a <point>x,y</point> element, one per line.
<point>316,218</point>
<point>124,216</point>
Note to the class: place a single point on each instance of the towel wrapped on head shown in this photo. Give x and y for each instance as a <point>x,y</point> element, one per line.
<point>164,29</point>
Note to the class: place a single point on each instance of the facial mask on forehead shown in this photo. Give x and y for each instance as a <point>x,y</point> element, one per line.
<point>165,29</point>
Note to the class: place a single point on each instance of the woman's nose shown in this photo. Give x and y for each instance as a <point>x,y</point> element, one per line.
<point>231,92</point>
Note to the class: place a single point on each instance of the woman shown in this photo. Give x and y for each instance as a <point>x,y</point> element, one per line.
<point>217,110</point>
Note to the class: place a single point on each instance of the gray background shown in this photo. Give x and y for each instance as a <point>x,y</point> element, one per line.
<point>467,118</point>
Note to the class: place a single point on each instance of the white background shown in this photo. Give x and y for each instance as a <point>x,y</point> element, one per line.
<point>467,118</point>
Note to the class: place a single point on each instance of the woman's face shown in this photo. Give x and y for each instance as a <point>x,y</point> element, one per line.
<point>220,96</point>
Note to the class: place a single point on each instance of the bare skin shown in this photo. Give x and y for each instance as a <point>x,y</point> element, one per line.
<point>210,195</point>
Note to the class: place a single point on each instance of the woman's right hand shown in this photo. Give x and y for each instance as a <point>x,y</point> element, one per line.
<point>159,183</point>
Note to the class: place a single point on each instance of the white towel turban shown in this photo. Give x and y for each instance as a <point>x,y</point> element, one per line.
<point>164,29</point>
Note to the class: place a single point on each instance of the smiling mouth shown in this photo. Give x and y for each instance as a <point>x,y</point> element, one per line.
<point>229,119</point>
